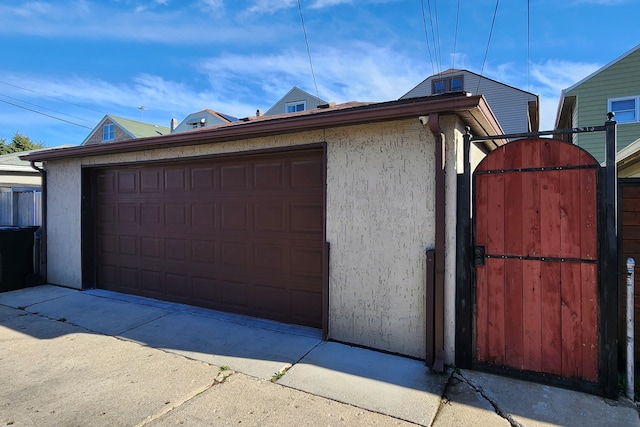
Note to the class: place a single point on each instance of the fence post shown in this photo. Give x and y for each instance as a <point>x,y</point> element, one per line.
<point>630,329</point>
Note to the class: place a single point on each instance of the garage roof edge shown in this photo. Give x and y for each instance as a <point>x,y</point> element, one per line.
<point>473,110</point>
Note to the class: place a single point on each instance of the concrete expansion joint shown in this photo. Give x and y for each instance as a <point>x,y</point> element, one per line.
<point>457,374</point>
<point>444,399</point>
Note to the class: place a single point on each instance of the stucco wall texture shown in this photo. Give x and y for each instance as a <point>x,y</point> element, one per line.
<point>379,221</point>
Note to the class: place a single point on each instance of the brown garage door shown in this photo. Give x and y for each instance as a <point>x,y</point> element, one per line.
<point>242,234</point>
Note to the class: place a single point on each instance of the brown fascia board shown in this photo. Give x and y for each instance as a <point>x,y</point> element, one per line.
<point>473,110</point>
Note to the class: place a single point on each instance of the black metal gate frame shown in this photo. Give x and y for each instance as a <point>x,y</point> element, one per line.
<point>607,265</point>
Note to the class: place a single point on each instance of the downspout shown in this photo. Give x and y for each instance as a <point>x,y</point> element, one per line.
<point>42,268</point>
<point>440,213</point>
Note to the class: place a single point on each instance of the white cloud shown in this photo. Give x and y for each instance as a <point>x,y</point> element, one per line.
<point>270,6</point>
<point>367,73</point>
<point>557,75</point>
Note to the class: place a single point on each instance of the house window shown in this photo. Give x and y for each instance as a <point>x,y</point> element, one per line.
<point>448,84</point>
<point>108,132</point>
<point>627,110</point>
<point>292,107</point>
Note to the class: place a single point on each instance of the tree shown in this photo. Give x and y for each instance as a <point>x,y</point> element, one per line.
<point>19,143</point>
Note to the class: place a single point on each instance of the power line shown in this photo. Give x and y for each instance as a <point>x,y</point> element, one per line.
<point>304,29</point>
<point>52,97</point>
<point>455,38</point>
<point>493,21</point>
<point>46,108</point>
<point>437,29</point>
<point>435,40</point>
<point>529,45</point>
<point>426,35</point>
<point>45,114</point>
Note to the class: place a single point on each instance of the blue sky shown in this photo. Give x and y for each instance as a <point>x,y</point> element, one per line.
<point>77,60</point>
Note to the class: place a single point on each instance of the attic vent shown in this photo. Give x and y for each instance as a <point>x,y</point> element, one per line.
<point>327,105</point>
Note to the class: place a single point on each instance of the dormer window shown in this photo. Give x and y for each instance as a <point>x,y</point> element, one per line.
<point>108,132</point>
<point>448,84</point>
<point>293,107</point>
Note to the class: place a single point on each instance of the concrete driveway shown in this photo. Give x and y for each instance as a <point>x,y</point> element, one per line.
<point>77,358</point>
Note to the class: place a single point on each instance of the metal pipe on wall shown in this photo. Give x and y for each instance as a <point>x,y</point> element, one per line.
<point>630,329</point>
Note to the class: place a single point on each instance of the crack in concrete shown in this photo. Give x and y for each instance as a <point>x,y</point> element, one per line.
<point>481,392</point>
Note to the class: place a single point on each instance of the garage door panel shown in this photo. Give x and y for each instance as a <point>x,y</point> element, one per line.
<point>127,214</point>
<point>203,251</point>
<point>268,176</point>
<point>151,247</point>
<point>269,217</point>
<point>151,283</point>
<point>241,234</point>
<point>234,216</point>
<point>234,177</point>
<point>307,173</point>
<point>306,261</point>
<point>234,255</point>
<point>270,258</point>
<point>106,182</point>
<point>128,245</point>
<point>178,285</point>
<point>202,178</point>
<point>175,216</point>
<point>203,215</point>
<point>206,290</point>
<point>127,181</point>
<point>151,181</point>
<point>307,217</point>
<point>235,295</point>
<point>176,178</point>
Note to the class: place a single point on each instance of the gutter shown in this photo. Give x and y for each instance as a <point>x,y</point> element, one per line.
<point>42,268</point>
<point>473,109</point>
<point>440,213</point>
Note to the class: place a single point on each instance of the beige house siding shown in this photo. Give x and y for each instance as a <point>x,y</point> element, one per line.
<point>621,79</point>
<point>379,220</point>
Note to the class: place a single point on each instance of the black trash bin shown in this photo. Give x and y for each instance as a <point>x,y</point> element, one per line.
<point>16,257</point>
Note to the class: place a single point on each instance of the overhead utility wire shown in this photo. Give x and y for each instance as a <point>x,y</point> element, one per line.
<point>45,114</point>
<point>426,35</point>
<point>52,97</point>
<point>435,40</point>
<point>495,13</point>
<point>529,45</point>
<point>304,29</point>
<point>437,29</point>
<point>455,38</point>
<point>46,108</point>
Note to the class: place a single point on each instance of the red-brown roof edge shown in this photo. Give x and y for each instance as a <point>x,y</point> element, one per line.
<point>483,123</point>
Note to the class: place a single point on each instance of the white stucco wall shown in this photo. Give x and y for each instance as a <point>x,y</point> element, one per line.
<point>63,223</point>
<point>380,219</point>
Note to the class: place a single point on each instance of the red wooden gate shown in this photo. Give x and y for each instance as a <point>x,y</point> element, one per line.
<point>536,291</point>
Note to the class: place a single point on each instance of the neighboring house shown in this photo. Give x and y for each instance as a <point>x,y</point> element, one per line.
<point>116,129</point>
<point>20,189</point>
<point>613,88</point>
<point>517,110</point>
<point>15,172</point>
<point>294,101</point>
<point>201,119</point>
<point>239,217</point>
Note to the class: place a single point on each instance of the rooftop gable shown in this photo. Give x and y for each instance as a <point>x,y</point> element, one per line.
<point>295,94</point>
<point>601,69</point>
<point>133,128</point>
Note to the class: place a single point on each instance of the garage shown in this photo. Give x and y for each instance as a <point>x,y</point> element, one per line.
<point>242,233</point>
